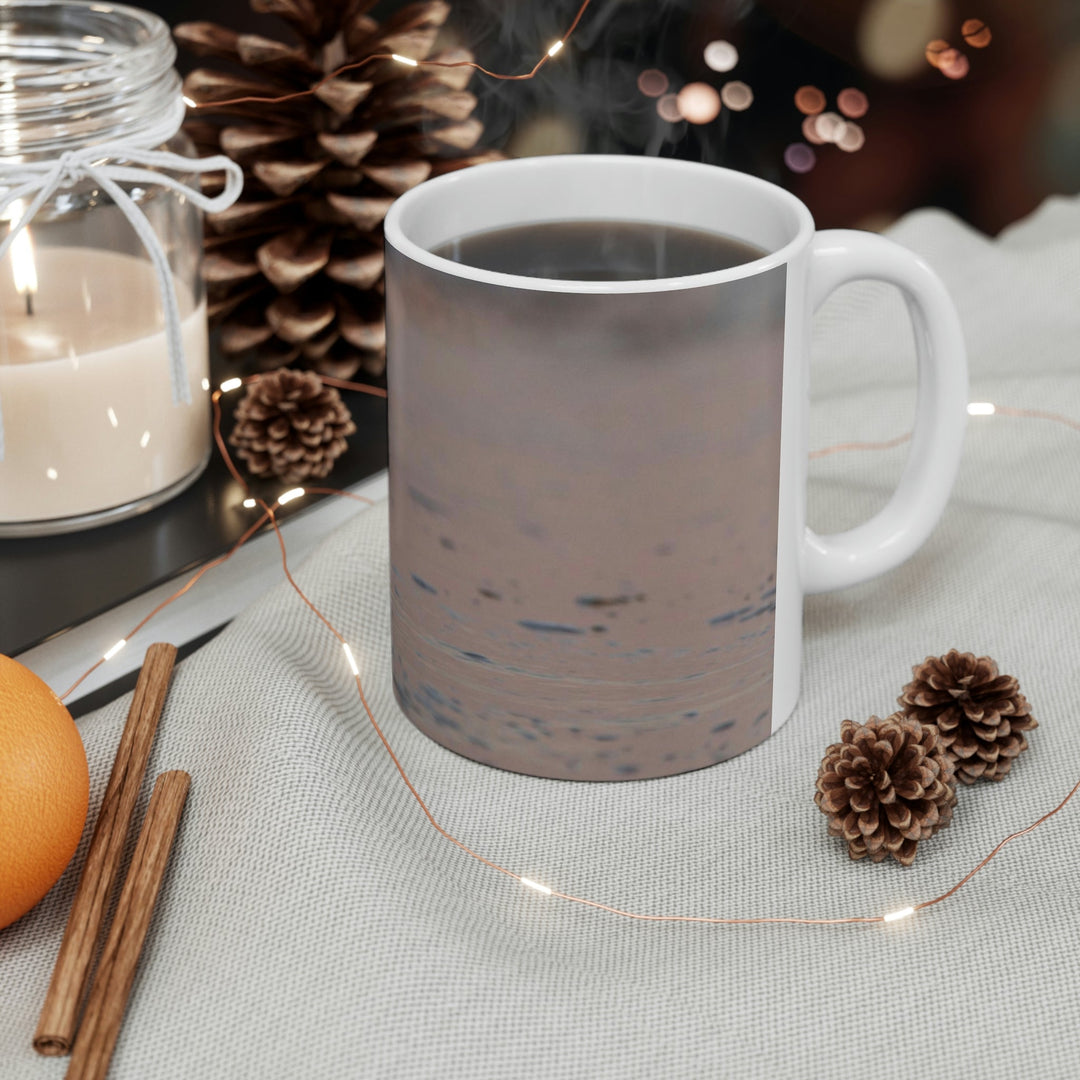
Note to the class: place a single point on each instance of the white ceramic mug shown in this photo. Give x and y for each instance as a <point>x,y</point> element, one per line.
<point>598,488</point>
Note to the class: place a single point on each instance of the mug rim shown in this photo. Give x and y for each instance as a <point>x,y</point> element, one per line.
<point>395,231</point>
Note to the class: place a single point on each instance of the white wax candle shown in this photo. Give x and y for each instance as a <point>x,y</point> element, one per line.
<point>89,421</point>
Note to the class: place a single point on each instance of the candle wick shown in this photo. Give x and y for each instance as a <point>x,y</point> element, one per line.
<point>29,302</point>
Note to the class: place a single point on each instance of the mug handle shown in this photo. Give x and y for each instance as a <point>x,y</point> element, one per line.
<point>897,531</point>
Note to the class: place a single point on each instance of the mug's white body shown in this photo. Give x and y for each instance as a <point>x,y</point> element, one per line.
<point>598,504</point>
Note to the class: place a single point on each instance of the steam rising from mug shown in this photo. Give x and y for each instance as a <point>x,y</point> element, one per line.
<point>589,100</point>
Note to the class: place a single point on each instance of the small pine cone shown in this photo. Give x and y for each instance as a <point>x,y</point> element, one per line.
<point>289,425</point>
<point>885,786</point>
<point>981,714</point>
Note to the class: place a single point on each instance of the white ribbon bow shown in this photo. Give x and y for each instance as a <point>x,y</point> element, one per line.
<point>39,181</point>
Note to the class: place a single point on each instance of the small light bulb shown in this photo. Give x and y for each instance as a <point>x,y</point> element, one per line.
<point>189,103</point>
<point>206,384</point>
<point>349,656</point>
<point>115,649</point>
<point>981,408</point>
<point>288,496</point>
<point>405,60</point>
<point>231,384</point>
<point>51,473</point>
<point>530,884</point>
<point>249,504</point>
<point>894,916</point>
<point>556,46</point>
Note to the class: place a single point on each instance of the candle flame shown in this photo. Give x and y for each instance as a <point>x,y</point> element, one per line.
<point>23,266</point>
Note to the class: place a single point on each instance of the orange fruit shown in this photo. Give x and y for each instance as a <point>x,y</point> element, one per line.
<point>44,789</point>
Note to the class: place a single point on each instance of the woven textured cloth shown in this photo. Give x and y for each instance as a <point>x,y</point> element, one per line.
<point>313,924</point>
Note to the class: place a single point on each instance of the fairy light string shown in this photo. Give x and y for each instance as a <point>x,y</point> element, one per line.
<point>255,99</point>
<point>975,408</point>
<point>269,517</point>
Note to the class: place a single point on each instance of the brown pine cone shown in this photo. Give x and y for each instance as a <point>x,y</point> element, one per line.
<point>294,270</point>
<point>981,714</point>
<point>289,425</point>
<point>885,786</point>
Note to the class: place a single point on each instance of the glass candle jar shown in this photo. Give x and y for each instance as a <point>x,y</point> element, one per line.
<point>104,393</point>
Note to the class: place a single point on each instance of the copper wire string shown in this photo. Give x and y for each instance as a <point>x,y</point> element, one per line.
<point>344,384</point>
<point>269,516</point>
<point>1037,414</point>
<point>996,410</point>
<point>530,74</point>
<point>248,533</point>
<point>1012,836</point>
<point>419,798</point>
<point>844,447</point>
<point>191,582</point>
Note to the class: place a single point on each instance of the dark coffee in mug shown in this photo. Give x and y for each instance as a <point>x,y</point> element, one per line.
<point>599,250</point>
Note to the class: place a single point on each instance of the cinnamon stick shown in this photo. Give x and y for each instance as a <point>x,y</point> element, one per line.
<point>120,957</point>
<point>60,1013</point>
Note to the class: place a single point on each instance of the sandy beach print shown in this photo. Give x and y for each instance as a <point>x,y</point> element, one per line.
<point>583,502</point>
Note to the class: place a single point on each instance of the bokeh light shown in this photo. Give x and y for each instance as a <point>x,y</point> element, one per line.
<point>829,126</point>
<point>652,83</point>
<point>976,33</point>
<point>799,158</point>
<point>809,100</point>
<point>668,108</point>
<point>953,64</point>
<point>851,138</point>
<point>809,131</point>
<point>852,103</point>
<point>934,49</point>
<point>698,102</point>
<point>736,96</point>
<point>892,34</point>
<point>721,55</point>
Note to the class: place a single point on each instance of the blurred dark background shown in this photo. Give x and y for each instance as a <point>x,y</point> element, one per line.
<point>987,133</point>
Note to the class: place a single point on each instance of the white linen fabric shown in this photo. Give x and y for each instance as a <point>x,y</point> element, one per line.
<point>313,924</point>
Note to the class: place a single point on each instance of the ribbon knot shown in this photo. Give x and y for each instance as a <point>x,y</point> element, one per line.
<point>109,165</point>
<point>68,163</point>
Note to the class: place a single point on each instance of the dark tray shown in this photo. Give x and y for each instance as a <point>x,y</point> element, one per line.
<point>49,584</point>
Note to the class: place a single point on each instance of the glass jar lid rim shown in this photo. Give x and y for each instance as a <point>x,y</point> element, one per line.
<point>155,35</point>
<point>78,72</point>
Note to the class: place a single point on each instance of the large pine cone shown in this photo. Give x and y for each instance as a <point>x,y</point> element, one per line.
<point>294,269</point>
<point>887,785</point>
<point>289,425</point>
<point>981,714</point>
